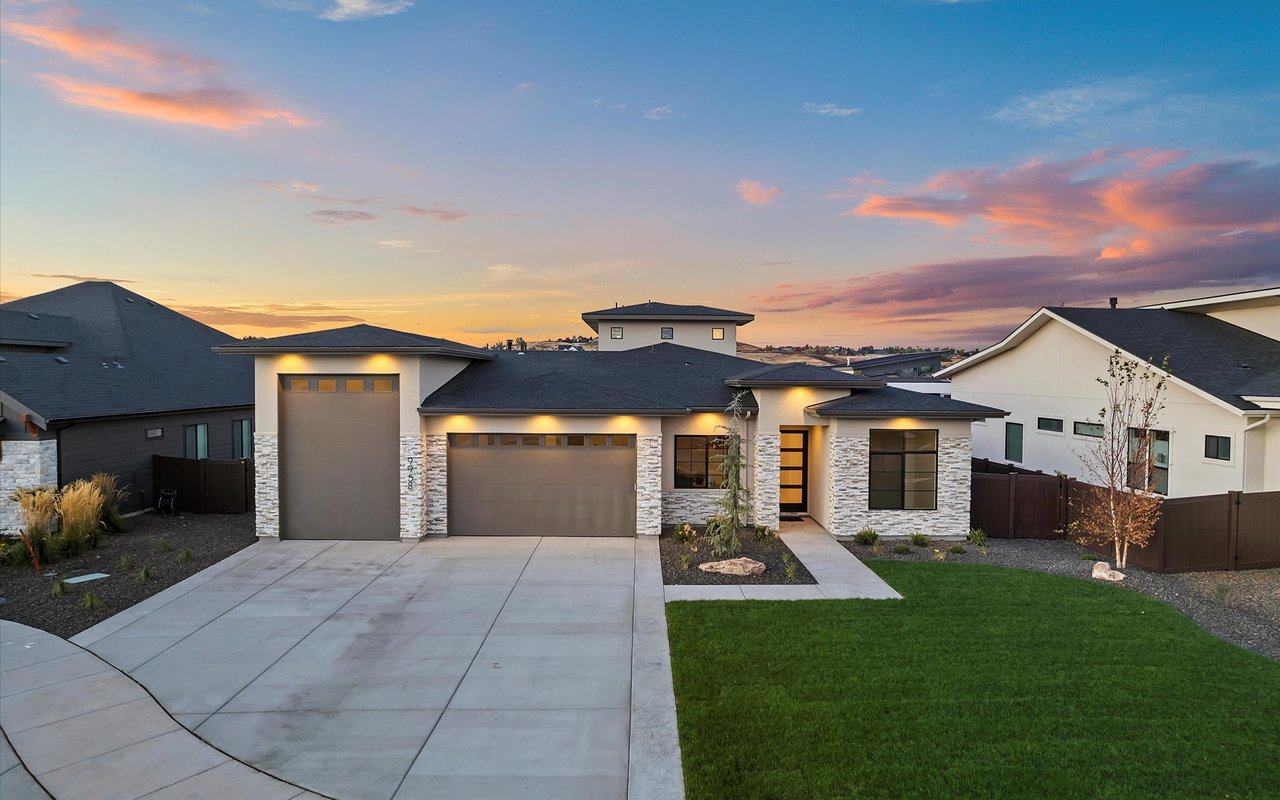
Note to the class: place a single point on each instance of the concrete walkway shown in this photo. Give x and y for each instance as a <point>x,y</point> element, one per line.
<point>461,667</point>
<point>77,727</point>
<point>840,575</point>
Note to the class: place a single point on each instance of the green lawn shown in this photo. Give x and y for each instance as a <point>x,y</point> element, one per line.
<point>984,682</point>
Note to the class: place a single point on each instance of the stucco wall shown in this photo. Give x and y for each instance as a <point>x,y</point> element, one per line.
<point>638,333</point>
<point>25,463</point>
<point>1052,374</point>
<point>819,494</point>
<point>1263,320</point>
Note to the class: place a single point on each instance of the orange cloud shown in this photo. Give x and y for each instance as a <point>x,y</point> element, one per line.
<point>1105,195</point>
<point>756,193</point>
<point>221,109</point>
<point>105,48</point>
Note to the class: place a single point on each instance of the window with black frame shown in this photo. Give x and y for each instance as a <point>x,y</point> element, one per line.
<point>699,462</point>
<point>904,470</point>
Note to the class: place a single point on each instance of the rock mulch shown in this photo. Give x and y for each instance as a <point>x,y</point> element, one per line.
<point>209,538</point>
<point>769,552</point>
<point>1241,607</point>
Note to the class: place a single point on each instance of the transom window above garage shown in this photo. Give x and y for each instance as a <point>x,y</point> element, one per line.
<point>616,440</point>
<point>339,384</point>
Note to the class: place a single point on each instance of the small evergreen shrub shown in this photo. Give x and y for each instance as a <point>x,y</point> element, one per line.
<point>686,562</point>
<point>977,536</point>
<point>919,539</point>
<point>958,549</point>
<point>866,536</point>
<point>184,555</point>
<point>161,546</point>
<point>901,549</point>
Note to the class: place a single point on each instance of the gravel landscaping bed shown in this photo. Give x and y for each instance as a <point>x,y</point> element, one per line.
<point>156,542</point>
<point>1241,607</point>
<point>768,552</point>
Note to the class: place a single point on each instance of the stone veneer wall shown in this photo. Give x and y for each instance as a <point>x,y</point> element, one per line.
<point>435,484</point>
<point>649,497</point>
<point>26,462</point>
<point>848,478</point>
<point>266,483</point>
<point>413,484</point>
<point>766,468</point>
<point>694,506</point>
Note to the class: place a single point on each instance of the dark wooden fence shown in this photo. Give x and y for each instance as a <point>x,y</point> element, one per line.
<point>206,486</point>
<point>1233,530</point>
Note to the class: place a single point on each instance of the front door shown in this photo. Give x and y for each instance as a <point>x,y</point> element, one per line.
<point>793,477</point>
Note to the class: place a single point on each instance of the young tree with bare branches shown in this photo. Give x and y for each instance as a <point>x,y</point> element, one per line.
<point>1123,507</point>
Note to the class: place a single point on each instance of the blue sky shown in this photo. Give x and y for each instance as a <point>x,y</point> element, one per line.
<point>874,172</point>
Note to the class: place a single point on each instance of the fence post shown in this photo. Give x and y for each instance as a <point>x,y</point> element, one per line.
<point>1013,498</point>
<point>1233,528</point>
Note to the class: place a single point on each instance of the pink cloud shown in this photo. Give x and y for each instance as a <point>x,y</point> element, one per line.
<point>1090,201</point>
<point>176,86</point>
<point>438,214</point>
<point>103,46</point>
<point>757,193</point>
<point>526,86</point>
<point>221,109</point>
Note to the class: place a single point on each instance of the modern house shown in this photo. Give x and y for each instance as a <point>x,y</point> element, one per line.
<point>1220,428</point>
<point>703,327</point>
<point>370,433</point>
<point>899,365</point>
<point>94,377</point>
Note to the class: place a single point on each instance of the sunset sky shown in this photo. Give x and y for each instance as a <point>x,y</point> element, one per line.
<point>877,172</point>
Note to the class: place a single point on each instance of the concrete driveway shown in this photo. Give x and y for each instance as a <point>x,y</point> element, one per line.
<point>461,667</point>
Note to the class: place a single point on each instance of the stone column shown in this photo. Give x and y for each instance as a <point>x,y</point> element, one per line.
<point>412,487</point>
<point>266,483</point>
<point>435,483</point>
<point>766,469</point>
<point>847,479</point>
<point>26,463</point>
<point>648,485</point>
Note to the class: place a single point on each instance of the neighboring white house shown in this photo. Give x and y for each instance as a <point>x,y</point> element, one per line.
<point>1220,428</point>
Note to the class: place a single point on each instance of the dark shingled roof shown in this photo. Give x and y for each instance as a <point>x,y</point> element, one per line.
<point>800,375</point>
<point>1216,357</point>
<point>665,378</point>
<point>165,359</point>
<point>672,311</point>
<point>357,339</point>
<point>889,401</point>
<point>878,365</point>
<point>21,328</point>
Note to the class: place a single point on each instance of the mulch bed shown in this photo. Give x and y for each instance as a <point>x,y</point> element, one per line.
<point>209,537</point>
<point>767,551</point>
<point>1241,607</point>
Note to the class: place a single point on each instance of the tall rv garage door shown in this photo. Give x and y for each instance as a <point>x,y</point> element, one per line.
<point>508,484</point>
<point>339,457</point>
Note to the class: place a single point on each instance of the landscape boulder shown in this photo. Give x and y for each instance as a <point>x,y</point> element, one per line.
<point>734,566</point>
<point>1103,572</point>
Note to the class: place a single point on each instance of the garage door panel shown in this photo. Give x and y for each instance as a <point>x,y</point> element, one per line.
<point>531,490</point>
<point>339,465</point>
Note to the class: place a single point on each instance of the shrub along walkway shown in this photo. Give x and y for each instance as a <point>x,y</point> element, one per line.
<point>81,728</point>
<point>839,575</point>
<point>982,682</point>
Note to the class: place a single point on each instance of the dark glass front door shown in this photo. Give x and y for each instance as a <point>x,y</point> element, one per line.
<point>793,477</point>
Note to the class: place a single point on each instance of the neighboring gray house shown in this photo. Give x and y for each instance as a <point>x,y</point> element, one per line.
<point>370,433</point>
<point>94,377</point>
<point>898,365</point>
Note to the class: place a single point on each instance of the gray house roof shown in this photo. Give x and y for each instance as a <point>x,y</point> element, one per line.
<point>801,375</point>
<point>124,355</point>
<point>889,401</point>
<point>665,311</point>
<point>663,379</point>
<point>357,339</point>
<point>1220,359</point>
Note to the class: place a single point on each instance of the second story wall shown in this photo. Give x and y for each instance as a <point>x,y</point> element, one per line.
<point>643,333</point>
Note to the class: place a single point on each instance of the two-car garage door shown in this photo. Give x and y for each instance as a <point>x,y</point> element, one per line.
<point>542,484</point>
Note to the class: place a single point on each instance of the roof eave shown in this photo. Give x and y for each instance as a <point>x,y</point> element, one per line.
<point>970,415</point>
<point>51,343</point>
<point>555,412</point>
<point>22,408</point>
<point>232,349</point>
<point>738,319</point>
<point>749,383</point>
